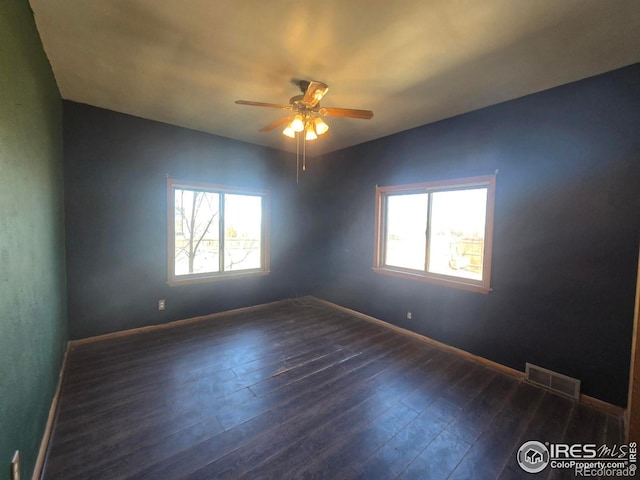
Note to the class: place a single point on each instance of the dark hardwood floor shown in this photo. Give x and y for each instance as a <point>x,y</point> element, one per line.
<point>298,390</point>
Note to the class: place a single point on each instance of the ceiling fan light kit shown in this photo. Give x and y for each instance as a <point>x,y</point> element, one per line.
<point>307,117</point>
<point>310,133</point>
<point>297,124</point>
<point>289,132</point>
<point>320,126</point>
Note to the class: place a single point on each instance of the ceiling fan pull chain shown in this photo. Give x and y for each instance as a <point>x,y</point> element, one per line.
<point>297,157</point>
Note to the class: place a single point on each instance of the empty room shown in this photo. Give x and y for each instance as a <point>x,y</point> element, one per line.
<point>348,240</point>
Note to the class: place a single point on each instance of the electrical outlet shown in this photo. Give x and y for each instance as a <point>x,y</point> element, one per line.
<point>161,304</point>
<point>15,466</point>
<point>409,315</point>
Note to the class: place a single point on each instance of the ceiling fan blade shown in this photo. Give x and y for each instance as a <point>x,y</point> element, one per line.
<point>315,92</point>
<point>277,123</point>
<point>262,104</point>
<point>346,112</point>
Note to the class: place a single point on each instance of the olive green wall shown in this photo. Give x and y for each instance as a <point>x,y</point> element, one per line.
<point>33,325</point>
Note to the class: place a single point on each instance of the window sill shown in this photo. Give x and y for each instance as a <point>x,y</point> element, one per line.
<point>193,279</point>
<point>459,284</point>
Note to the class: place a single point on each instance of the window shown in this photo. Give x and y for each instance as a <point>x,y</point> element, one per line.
<point>215,232</point>
<point>438,232</point>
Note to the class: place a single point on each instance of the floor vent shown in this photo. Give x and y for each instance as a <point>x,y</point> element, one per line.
<point>556,382</point>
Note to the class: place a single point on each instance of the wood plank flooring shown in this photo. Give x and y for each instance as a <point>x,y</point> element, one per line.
<point>298,390</point>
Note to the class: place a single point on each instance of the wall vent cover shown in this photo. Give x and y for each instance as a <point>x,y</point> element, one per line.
<point>556,382</point>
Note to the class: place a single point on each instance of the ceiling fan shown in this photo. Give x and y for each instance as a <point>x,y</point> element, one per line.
<point>306,112</point>
<point>306,116</point>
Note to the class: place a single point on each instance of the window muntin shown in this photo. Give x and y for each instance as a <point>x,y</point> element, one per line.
<point>215,232</point>
<point>438,232</point>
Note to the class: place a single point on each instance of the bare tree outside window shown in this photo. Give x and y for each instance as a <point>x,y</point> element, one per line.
<point>197,239</point>
<point>215,231</point>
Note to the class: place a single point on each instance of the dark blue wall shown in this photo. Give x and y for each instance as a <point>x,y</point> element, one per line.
<point>116,219</point>
<point>567,220</point>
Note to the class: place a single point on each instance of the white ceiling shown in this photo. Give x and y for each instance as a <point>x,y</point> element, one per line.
<point>412,62</point>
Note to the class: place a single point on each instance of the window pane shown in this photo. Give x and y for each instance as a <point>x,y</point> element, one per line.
<point>197,239</point>
<point>406,224</point>
<point>242,232</point>
<point>456,243</point>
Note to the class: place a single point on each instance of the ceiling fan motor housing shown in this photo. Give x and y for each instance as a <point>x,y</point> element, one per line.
<point>297,101</point>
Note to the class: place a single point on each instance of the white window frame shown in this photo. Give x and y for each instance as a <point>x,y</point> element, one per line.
<point>193,278</point>
<point>382,193</point>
